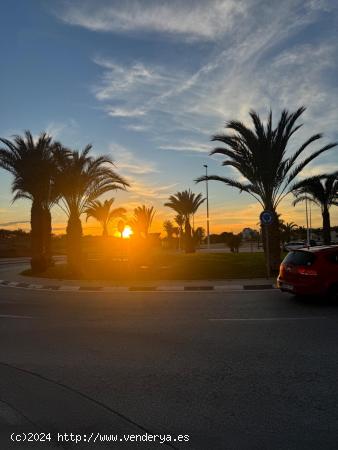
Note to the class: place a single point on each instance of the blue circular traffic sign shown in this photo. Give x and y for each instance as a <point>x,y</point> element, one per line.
<point>266,217</point>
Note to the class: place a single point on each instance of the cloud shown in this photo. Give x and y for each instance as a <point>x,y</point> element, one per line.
<point>122,112</point>
<point>140,190</point>
<point>131,164</point>
<point>318,169</point>
<point>118,79</point>
<point>137,128</point>
<point>253,67</point>
<point>188,146</point>
<point>194,20</point>
<point>16,222</point>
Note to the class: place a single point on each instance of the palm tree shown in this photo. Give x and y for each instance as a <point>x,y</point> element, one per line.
<point>323,191</point>
<point>103,213</point>
<point>259,155</point>
<point>198,235</point>
<point>120,227</point>
<point>179,219</point>
<point>186,203</point>
<point>142,220</point>
<point>169,228</point>
<point>287,229</point>
<point>32,164</point>
<point>81,180</point>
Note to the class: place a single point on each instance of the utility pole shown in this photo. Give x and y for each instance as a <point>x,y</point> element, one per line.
<point>208,219</point>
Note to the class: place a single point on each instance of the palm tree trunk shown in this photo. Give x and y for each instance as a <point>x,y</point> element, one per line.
<point>105,231</point>
<point>326,225</point>
<point>47,235</point>
<point>74,243</point>
<point>189,245</point>
<point>271,237</point>
<point>38,261</point>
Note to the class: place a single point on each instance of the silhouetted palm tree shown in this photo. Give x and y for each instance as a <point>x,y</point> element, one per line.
<point>169,228</point>
<point>82,179</point>
<point>103,213</point>
<point>179,219</point>
<point>142,220</point>
<point>120,227</point>
<point>186,203</point>
<point>32,164</point>
<point>323,191</point>
<point>259,155</point>
<point>287,229</point>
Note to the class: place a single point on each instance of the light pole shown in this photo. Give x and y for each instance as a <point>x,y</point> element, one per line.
<point>310,233</point>
<point>206,181</point>
<point>307,224</point>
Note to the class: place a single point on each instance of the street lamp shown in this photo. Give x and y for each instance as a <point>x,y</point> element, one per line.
<point>307,224</point>
<point>206,181</point>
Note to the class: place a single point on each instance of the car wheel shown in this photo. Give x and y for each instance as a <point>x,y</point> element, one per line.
<point>333,293</point>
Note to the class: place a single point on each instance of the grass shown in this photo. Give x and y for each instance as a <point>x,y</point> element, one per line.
<point>167,266</point>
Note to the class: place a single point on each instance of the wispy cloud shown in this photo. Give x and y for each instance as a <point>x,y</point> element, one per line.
<point>194,20</point>
<point>129,163</point>
<point>253,69</point>
<point>57,129</point>
<point>136,127</point>
<point>141,190</point>
<point>123,112</point>
<point>16,222</point>
<point>187,146</point>
<point>319,169</point>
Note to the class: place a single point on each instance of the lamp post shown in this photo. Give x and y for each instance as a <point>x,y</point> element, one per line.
<point>307,224</point>
<point>207,191</point>
<point>310,233</point>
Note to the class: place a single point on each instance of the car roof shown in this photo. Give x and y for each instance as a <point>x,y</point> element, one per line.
<point>319,248</point>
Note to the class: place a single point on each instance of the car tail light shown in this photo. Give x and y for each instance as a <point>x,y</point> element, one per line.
<point>281,270</point>
<point>306,271</point>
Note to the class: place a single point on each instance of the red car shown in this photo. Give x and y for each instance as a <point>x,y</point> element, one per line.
<point>310,271</point>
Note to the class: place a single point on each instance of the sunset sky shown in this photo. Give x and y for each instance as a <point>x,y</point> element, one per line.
<point>149,82</point>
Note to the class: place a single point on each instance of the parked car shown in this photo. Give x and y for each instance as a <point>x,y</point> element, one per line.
<point>293,245</point>
<point>310,271</point>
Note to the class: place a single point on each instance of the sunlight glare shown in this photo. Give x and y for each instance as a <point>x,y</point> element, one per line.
<point>127,232</point>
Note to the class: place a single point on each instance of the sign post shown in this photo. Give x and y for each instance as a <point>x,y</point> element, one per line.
<point>266,218</point>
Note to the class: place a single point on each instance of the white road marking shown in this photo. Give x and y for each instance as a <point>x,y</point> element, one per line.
<point>267,319</point>
<point>10,316</point>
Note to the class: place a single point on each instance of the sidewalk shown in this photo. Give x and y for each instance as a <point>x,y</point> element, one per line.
<point>10,276</point>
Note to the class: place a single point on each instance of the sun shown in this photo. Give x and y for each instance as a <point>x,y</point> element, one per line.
<point>127,232</point>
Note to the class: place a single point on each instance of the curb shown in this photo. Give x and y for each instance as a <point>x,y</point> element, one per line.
<point>108,289</point>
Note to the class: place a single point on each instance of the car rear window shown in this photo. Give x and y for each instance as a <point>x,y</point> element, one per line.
<point>299,258</point>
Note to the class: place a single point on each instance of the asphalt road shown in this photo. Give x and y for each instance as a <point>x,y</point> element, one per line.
<point>237,370</point>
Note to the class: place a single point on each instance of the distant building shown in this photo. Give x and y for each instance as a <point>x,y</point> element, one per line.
<point>247,233</point>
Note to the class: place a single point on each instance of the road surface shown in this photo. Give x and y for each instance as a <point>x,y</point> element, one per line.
<point>236,370</point>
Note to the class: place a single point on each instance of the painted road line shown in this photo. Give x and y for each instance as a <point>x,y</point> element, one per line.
<point>199,288</point>
<point>253,287</point>
<point>268,319</point>
<point>10,316</point>
<point>142,288</point>
<point>91,288</point>
<point>228,287</point>
<point>170,288</point>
